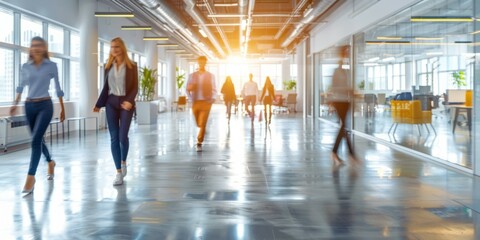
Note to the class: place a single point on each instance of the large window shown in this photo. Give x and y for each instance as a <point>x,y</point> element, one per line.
<point>74,44</point>
<point>55,39</point>
<point>6,18</point>
<point>6,75</point>
<point>274,71</point>
<point>74,80</point>
<point>162,79</point>
<point>61,79</point>
<point>30,28</point>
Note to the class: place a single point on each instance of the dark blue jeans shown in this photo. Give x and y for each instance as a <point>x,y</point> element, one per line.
<point>39,115</point>
<point>118,121</point>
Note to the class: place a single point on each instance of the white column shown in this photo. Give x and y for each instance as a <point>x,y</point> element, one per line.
<point>151,53</point>
<point>301,90</point>
<point>88,59</point>
<point>171,79</point>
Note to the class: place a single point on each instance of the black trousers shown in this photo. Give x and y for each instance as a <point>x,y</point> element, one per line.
<point>342,110</point>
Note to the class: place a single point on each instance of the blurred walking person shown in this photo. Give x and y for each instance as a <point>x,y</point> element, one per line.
<point>250,93</point>
<point>118,97</point>
<point>36,74</point>
<point>201,88</point>
<point>340,100</point>
<point>268,96</point>
<point>229,96</point>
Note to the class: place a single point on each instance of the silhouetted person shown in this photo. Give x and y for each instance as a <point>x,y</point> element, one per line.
<point>268,95</point>
<point>229,96</point>
<point>118,97</point>
<point>250,93</point>
<point>36,74</point>
<point>201,88</point>
<point>340,99</point>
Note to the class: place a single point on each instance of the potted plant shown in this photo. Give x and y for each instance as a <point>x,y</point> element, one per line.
<point>180,79</point>
<point>290,85</point>
<point>147,108</point>
<point>459,79</point>
<point>361,85</point>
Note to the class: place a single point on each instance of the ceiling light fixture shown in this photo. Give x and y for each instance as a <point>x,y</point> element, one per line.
<point>175,50</point>
<point>188,31</point>
<point>167,45</point>
<point>428,38</point>
<point>441,19</point>
<point>114,14</point>
<point>155,38</point>
<point>225,4</point>
<point>136,28</point>
<point>225,15</point>
<point>203,33</point>
<point>307,11</point>
<point>389,38</point>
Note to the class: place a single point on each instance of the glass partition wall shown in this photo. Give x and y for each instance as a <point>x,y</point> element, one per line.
<point>413,79</point>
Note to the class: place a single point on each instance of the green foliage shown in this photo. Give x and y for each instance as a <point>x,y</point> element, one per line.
<point>459,79</point>
<point>361,85</point>
<point>148,80</point>
<point>180,78</point>
<point>290,84</point>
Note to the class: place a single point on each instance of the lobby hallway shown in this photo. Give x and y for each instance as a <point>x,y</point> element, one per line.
<point>247,184</point>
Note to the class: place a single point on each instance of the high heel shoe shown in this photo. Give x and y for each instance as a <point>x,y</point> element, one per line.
<point>51,170</point>
<point>28,191</point>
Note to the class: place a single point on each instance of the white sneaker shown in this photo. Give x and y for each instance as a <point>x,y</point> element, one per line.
<point>198,148</point>
<point>124,170</point>
<point>118,179</point>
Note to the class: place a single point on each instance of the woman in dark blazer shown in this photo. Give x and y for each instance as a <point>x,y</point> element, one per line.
<point>268,95</point>
<point>229,97</point>
<point>118,98</point>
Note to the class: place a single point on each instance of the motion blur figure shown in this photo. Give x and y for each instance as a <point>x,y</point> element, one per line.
<point>268,95</point>
<point>229,96</point>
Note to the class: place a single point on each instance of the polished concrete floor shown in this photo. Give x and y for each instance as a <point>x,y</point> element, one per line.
<point>249,183</point>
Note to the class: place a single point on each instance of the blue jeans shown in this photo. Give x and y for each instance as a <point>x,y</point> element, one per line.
<point>39,115</point>
<point>118,121</point>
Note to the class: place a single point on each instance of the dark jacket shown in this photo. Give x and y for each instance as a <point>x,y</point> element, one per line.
<point>228,90</point>
<point>131,88</point>
<point>271,92</point>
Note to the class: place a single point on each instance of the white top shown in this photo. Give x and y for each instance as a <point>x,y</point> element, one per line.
<point>201,79</point>
<point>116,80</point>
<point>250,88</point>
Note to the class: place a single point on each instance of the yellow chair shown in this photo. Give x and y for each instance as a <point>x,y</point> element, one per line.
<point>410,112</point>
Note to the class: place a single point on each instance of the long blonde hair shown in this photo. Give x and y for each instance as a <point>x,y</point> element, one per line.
<point>111,58</point>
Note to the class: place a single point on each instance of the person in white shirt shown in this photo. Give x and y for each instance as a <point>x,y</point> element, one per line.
<point>250,92</point>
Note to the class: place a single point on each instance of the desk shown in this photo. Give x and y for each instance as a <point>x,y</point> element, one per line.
<point>56,122</point>
<point>459,108</point>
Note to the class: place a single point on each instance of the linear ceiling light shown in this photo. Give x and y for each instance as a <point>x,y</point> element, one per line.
<point>441,19</point>
<point>137,28</point>
<point>307,11</point>
<point>114,14</point>
<point>203,33</point>
<point>243,25</point>
<point>167,45</point>
<point>387,42</point>
<point>476,32</point>
<point>389,38</point>
<point>175,50</point>
<point>155,38</point>
<point>225,4</point>
<point>429,38</point>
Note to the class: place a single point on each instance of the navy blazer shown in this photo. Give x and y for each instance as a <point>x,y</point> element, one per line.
<point>131,86</point>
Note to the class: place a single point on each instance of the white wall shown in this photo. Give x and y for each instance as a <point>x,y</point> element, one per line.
<point>352,17</point>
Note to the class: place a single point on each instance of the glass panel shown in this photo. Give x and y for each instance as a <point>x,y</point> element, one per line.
<point>74,80</point>
<point>7,88</point>
<point>24,59</point>
<point>6,18</point>
<point>428,74</point>
<point>30,28</point>
<point>74,44</point>
<point>106,52</point>
<point>56,38</point>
